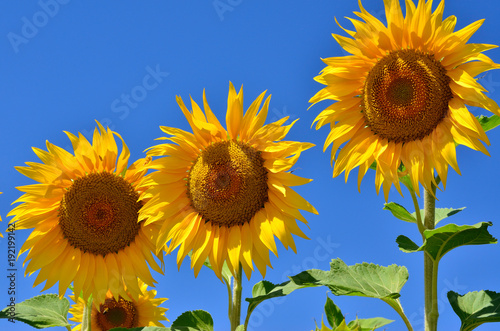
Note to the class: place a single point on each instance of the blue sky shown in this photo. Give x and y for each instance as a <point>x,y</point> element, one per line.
<point>66,64</point>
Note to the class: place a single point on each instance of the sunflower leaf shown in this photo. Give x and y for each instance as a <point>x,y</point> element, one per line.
<point>366,279</point>
<point>475,308</point>
<point>338,322</point>
<point>369,324</point>
<point>441,213</point>
<point>40,312</point>
<point>400,212</point>
<point>489,123</point>
<point>333,313</point>
<point>440,241</point>
<point>406,244</point>
<point>264,290</point>
<point>196,320</point>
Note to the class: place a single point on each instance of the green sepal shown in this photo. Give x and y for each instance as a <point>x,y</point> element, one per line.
<point>43,311</point>
<point>225,272</point>
<point>333,313</point>
<point>475,308</point>
<point>489,123</point>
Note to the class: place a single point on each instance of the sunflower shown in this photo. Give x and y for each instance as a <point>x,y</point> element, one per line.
<point>119,312</point>
<point>402,95</point>
<point>225,194</point>
<point>84,212</point>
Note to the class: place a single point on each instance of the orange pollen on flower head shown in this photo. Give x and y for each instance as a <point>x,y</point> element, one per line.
<point>98,213</point>
<point>406,96</point>
<point>113,314</point>
<point>227,183</point>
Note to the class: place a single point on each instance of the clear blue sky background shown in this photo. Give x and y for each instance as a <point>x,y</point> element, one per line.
<point>75,66</point>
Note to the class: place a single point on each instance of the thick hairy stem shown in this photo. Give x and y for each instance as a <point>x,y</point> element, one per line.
<point>236,306</point>
<point>430,266</point>
<point>87,310</point>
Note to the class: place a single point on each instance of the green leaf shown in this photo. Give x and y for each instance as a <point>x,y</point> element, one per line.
<point>264,290</point>
<point>333,313</point>
<point>400,212</point>
<point>197,320</point>
<point>440,241</point>
<point>441,213</point>
<point>40,312</point>
<point>369,324</point>
<point>406,244</point>
<point>488,123</point>
<point>240,327</point>
<point>365,279</point>
<point>475,308</point>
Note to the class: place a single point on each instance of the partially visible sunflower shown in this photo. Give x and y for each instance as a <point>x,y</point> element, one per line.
<point>402,95</point>
<point>84,213</point>
<point>119,312</point>
<point>226,194</point>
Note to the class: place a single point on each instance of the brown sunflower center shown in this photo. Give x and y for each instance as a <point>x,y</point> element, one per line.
<point>113,314</point>
<point>406,96</point>
<point>98,213</point>
<point>227,184</point>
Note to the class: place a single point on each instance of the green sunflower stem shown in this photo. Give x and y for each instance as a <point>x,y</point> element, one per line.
<point>430,266</point>
<point>87,310</point>
<point>420,224</point>
<point>396,305</point>
<point>236,306</point>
